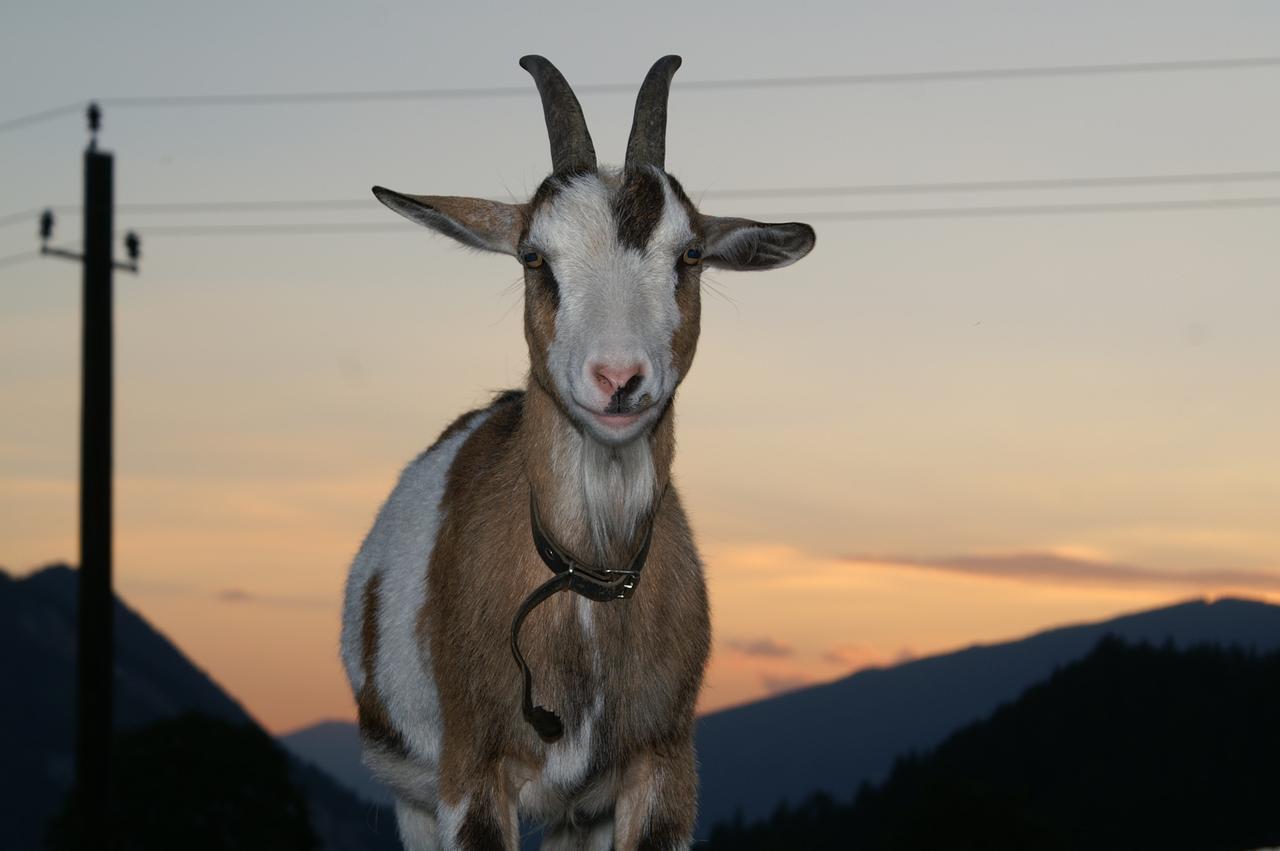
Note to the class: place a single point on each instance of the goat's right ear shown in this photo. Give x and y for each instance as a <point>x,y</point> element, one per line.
<point>487,225</point>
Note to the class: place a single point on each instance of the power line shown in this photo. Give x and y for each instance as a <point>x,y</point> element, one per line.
<point>998,185</point>
<point>20,257</point>
<point>30,216</point>
<point>745,83</point>
<point>816,215</point>
<point>1039,209</point>
<point>277,228</point>
<point>42,115</point>
<point>203,207</point>
<point>336,204</point>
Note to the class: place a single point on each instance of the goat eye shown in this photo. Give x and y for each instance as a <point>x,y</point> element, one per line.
<point>692,256</point>
<point>531,259</point>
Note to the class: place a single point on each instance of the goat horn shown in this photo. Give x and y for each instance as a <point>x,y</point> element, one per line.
<point>648,142</point>
<point>571,148</point>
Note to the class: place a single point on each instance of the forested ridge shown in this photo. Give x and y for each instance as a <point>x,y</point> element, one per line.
<point>1132,747</point>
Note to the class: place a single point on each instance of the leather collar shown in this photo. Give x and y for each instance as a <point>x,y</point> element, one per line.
<point>601,584</point>
<point>595,583</point>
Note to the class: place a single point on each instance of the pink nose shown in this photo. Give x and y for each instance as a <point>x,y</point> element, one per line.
<point>610,379</point>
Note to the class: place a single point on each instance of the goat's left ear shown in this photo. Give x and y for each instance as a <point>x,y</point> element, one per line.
<point>487,225</point>
<point>746,245</point>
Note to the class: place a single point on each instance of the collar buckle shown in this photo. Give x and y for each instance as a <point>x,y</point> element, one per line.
<point>601,584</point>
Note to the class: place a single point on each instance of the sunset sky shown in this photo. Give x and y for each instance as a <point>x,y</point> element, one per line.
<point>936,430</point>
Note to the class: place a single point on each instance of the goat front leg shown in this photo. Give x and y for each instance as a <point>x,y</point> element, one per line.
<point>658,800</point>
<point>480,816</point>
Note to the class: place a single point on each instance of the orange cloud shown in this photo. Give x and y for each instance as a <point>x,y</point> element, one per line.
<point>780,683</point>
<point>852,657</point>
<point>240,595</point>
<point>766,647</point>
<point>1055,567</point>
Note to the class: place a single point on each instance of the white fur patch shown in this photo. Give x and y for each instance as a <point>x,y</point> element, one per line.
<point>418,828</point>
<point>398,549</point>
<point>451,819</point>
<point>618,485</point>
<point>569,759</point>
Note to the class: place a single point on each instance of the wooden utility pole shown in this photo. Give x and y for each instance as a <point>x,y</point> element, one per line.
<point>96,621</point>
<point>93,740</point>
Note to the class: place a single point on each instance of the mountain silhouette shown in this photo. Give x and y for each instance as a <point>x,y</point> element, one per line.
<point>334,746</point>
<point>154,682</point>
<point>195,783</point>
<point>837,736</point>
<point>1132,747</point>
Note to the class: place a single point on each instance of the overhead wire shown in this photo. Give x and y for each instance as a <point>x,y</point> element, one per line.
<point>278,228</point>
<point>944,187</point>
<point>20,257</point>
<point>1040,209</point>
<point>745,83</point>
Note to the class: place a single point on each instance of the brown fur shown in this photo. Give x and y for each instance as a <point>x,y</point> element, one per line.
<point>374,721</point>
<point>484,564</point>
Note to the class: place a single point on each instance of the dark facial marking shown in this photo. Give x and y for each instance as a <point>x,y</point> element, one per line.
<point>546,192</point>
<point>694,219</point>
<point>547,284</point>
<point>638,208</point>
<point>686,273</point>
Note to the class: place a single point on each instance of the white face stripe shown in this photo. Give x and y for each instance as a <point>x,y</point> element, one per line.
<point>617,304</point>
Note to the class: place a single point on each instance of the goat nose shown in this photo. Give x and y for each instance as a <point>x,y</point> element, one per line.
<point>610,379</point>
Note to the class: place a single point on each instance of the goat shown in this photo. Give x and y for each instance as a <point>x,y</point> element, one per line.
<point>579,461</point>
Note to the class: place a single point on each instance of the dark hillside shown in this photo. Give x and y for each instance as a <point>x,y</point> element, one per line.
<point>837,736</point>
<point>154,682</point>
<point>1132,747</point>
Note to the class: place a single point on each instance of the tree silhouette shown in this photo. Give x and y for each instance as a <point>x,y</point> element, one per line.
<point>1132,747</point>
<point>198,784</point>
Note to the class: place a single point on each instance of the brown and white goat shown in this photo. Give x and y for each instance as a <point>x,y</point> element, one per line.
<point>611,267</point>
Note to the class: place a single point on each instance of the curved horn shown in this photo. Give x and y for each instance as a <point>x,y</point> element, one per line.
<point>571,148</point>
<point>648,142</point>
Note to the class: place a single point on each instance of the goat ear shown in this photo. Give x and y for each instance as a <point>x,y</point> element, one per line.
<point>487,225</point>
<point>747,245</point>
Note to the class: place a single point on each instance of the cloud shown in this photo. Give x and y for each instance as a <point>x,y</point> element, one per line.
<point>780,683</point>
<point>1038,566</point>
<point>765,647</point>
<point>240,595</point>
<point>855,657</point>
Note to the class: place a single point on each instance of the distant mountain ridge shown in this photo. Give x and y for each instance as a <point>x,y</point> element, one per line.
<point>836,736</point>
<point>334,746</point>
<point>153,681</point>
<point>1133,746</point>
<point>833,737</point>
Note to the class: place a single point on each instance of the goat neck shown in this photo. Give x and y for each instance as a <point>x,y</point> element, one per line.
<point>593,499</point>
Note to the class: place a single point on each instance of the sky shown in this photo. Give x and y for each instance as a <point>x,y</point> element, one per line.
<point>936,430</point>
